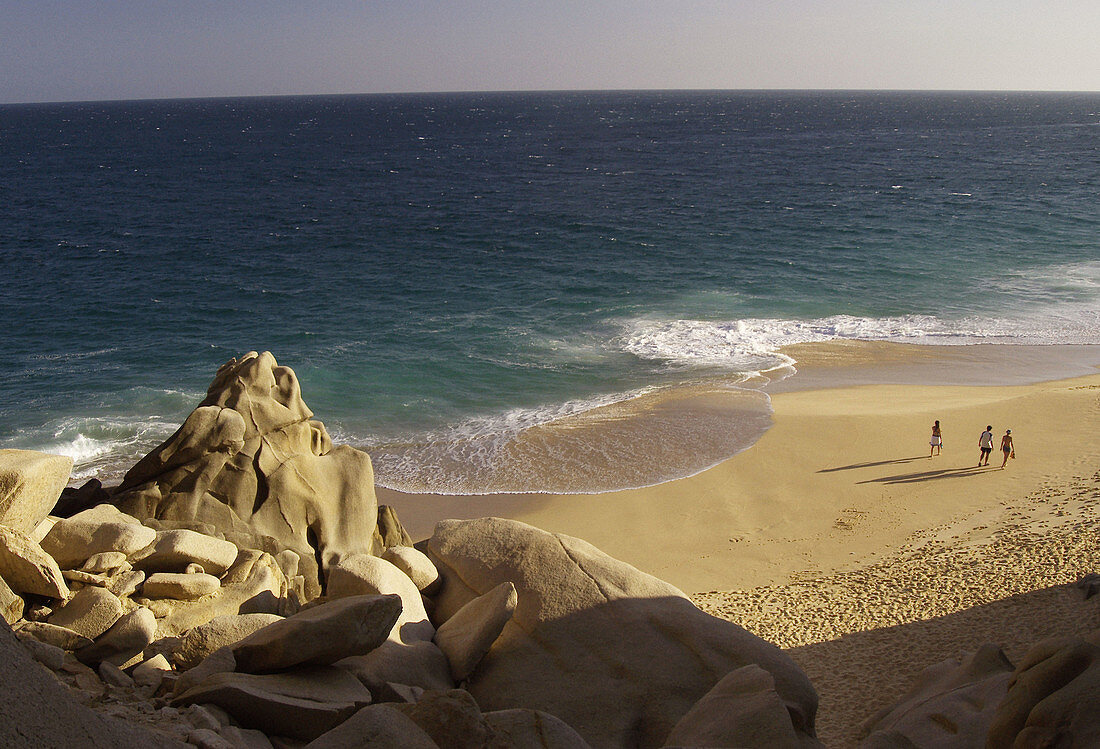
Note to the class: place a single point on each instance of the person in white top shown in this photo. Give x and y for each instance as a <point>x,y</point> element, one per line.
<point>985,442</point>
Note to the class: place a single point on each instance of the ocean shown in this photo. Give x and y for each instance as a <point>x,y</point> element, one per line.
<point>522,291</point>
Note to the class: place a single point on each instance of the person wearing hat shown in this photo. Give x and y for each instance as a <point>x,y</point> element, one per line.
<point>1006,447</point>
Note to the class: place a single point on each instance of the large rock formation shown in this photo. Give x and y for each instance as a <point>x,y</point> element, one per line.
<point>251,461</point>
<point>617,654</point>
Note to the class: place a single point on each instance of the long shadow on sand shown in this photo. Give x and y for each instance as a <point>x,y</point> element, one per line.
<point>911,478</point>
<point>863,671</point>
<point>872,465</point>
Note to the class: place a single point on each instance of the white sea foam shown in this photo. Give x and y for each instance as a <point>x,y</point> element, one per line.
<point>753,345</point>
<point>1058,305</point>
<point>102,447</point>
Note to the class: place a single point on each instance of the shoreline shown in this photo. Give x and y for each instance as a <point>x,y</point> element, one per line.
<point>636,441</point>
<point>858,450</point>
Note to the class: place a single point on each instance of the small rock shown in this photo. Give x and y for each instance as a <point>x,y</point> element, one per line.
<point>451,718</point>
<point>37,611</point>
<point>194,569</point>
<point>363,574</point>
<point>42,529</point>
<point>527,729</point>
<point>393,692</point>
<point>219,662</point>
<point>165,646</point>
<point>74,540</point>
<point>90,612</point>
<point>201,717</point>
<point>320,635</point>
<point>113,675</point>
<point>83,677</point>
<point>175,549</point>
<point>415,564</point>
<point>742,709</point>
<point>201,641</point>
<point>50,656</point>
<point>51,634</point>
<point>288,562</point>
<point>125,583</point>
<point>150,673</point>
<point>11,605</point>
<point>179,586</point>
<point>419,663</point>
<point>245,738</point>
<point>205,738</point>
<point>467,636</point>
<point>388,530</point>
<point>125,639</point>
<point>108,562</point>
<point>85,578</point>
<point>375,727</point>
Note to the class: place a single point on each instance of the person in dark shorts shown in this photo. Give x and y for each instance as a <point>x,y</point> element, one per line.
<point>985,442</point>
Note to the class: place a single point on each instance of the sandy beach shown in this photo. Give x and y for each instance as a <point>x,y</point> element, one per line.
<point>837,537</point>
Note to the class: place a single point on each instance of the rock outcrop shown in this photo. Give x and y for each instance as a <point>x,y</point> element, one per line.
<point>617,654</point>
<point>250,460</point>
<point>244,572</point>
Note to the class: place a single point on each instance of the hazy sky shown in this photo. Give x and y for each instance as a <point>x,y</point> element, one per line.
<point>87,49</point>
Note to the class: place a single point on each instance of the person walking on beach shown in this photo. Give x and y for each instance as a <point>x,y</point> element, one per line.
<point>985,443</point>
<point>1007,448</point>
<point>937,439</point>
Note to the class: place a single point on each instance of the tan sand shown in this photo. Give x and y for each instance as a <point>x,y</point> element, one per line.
<point>840,481</point>
<point>838,538</point>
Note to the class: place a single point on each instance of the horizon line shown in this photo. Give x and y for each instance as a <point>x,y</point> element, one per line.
<point>443,92</point>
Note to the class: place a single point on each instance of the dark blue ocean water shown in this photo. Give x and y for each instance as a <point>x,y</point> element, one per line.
<point>464,281</point>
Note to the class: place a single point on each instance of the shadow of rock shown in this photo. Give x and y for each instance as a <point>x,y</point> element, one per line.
<point>864,672</point>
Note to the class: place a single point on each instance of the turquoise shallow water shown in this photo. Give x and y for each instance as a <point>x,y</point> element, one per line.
<point>497,291</point>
